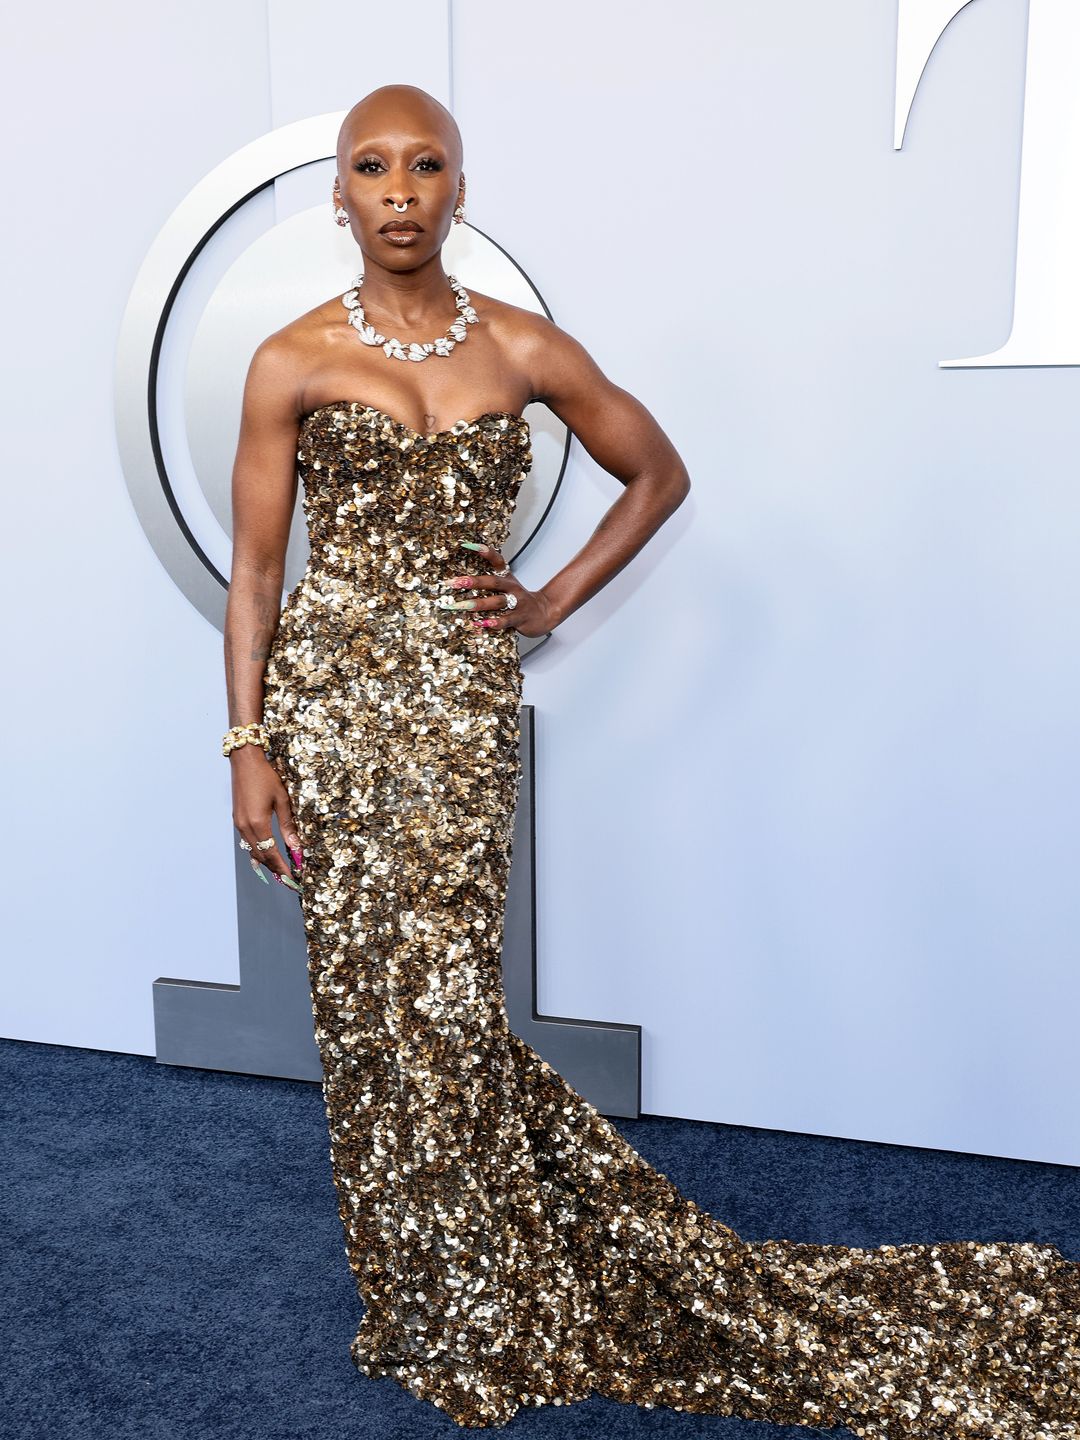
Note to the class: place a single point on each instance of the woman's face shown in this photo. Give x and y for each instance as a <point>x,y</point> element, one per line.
<point>401,164</point>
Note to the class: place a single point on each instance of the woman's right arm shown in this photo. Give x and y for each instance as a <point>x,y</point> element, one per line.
<point>264,489</point>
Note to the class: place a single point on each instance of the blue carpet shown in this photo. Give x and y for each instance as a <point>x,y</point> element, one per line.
<point>175,1265</point>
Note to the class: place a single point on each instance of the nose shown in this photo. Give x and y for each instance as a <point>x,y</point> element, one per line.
<point>398,191</point>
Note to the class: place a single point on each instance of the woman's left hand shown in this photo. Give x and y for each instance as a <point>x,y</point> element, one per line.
<point>530,613</point>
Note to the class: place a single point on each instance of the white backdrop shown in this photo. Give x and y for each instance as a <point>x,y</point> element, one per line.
<point>807,769</point>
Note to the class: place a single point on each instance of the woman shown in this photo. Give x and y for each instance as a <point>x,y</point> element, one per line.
<point>510,1247</point>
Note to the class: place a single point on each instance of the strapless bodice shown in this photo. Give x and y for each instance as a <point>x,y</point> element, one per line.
<point>378,492</point>
<point>387,509</point>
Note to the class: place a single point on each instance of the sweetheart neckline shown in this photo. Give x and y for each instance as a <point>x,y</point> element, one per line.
<point>416,434</point>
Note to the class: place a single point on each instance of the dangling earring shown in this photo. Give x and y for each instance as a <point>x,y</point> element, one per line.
<point>341,215</point>
<point>459,208</point>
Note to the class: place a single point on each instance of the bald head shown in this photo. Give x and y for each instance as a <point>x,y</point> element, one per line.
<point>399,111</point>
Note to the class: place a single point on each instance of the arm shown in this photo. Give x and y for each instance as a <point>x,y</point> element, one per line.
<point>263,497</point>
<point>621,436</point>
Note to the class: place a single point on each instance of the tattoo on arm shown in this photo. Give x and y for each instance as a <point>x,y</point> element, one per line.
<point>242,687</point>
<point>265,604</point>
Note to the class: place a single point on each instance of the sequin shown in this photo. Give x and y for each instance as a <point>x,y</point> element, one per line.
<point>510,1247</point>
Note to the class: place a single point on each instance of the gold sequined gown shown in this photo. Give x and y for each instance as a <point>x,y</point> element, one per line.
<point>510,1247</point>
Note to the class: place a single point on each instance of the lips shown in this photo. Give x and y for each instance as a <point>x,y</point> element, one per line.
<point>397,226</point>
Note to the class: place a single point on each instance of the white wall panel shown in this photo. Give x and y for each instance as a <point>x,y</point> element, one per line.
<point>807,768</point>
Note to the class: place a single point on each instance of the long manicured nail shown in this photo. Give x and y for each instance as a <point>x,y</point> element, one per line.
<point>473,545</point>
<point>291,883</point>
<point>297,857</point>
<point>446,603</point>
<point>260,871</point>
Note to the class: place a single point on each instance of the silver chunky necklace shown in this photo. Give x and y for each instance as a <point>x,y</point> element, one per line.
<point>412,351</point>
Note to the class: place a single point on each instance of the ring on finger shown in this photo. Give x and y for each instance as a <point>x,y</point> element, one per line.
<point>511,600</point>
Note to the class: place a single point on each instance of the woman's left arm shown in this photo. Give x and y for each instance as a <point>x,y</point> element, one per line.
<point>622,437</point>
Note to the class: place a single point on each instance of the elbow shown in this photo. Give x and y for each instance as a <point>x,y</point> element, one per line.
<point>679,487</point>
<point>258,566</point>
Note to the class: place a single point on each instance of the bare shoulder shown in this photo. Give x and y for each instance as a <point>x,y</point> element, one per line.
<point>552,362</point>
<point>281,363</point>
<point>561,371</point>
<point>613,425</point>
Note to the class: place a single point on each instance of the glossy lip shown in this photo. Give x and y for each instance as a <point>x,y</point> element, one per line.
<point>401,237</point>
<point>392,225</point>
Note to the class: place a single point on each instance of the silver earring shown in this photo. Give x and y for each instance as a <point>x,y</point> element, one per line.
<point>341,215</point>
<point>459,213</point>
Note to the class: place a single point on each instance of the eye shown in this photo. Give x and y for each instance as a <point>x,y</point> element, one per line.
<point>428,160</point>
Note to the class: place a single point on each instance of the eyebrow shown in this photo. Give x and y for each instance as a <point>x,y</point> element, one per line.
<point>383,145</point>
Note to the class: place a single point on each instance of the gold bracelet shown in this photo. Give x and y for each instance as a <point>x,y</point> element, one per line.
<point>254,734</point>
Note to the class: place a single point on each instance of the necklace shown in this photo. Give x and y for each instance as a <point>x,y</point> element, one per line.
<point>395,350</point>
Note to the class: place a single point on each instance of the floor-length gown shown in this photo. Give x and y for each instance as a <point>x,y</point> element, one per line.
<point>510,1247</point>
